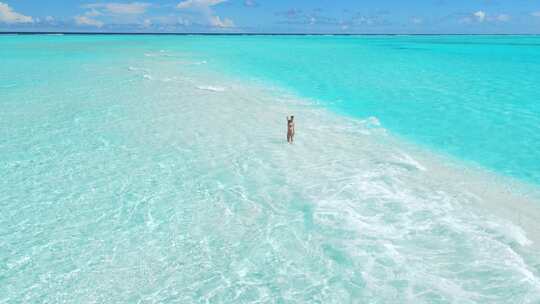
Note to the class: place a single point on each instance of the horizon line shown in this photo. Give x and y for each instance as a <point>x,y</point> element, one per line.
<point>260,34</point>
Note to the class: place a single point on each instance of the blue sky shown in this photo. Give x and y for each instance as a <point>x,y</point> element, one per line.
<point>271,16</point>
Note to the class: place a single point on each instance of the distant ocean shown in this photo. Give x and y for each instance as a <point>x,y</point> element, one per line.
<point>156,169</point>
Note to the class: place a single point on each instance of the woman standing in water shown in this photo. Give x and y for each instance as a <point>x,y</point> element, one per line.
<point>290,129</point>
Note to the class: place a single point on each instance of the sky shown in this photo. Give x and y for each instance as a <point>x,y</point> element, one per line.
<point>274,16</point>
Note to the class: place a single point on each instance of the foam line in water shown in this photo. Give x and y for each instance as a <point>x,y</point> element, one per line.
<point>211,88</point>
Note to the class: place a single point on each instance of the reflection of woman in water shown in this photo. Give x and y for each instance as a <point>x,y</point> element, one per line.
<point>290,129</point>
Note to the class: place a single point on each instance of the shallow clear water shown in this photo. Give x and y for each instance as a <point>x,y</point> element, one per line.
<point>152,169</point>
<point>473,97</point>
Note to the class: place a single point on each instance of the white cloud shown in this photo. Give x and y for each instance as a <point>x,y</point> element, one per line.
<point>535,14</point>
<point>87,21</point>
<point>417,20</point>
<point>480,16</point>
<point>218,22</point>
<point>250,3</point>
<point>182,21</point>
<point>49,19</point>
<point>364,20</point>
<point>198,4</point>
<point>93,13</point>
<point>8,15</point>
<point>503,18</point>
<point>119,11</point>
<point>134,8</point>
<point>204,7</point>
<point>167,21</point>
<point>147,23</point>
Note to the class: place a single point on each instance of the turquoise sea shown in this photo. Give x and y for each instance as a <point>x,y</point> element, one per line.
<point>155,169</point>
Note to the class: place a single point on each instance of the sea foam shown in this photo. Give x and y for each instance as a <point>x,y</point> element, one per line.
<point>211,88</point>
